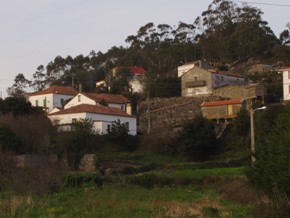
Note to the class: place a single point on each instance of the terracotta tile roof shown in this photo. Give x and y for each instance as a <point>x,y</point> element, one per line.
<point>220,103</point>
<point>135,70</point>
<point>96,109</point>
<point>117,99</point>
<point>62,90</point>
<point>284,69</point>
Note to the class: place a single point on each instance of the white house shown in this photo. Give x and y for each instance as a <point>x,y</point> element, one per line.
<point>286,84</point>
<point>101,116</point>
<point>136,81</point>
<point>52,97</point>
<point>115,101</point>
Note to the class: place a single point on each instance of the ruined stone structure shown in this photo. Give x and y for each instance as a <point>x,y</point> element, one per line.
<point>248,92</point>
<point>160,113</point>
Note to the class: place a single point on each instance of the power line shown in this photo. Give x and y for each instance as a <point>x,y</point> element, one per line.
<point>262,3</point>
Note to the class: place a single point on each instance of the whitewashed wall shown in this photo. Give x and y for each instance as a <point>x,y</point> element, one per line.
<point>52,100</point>
<point>79,99</point>
<point>286,84</point>
<point>101,120</point>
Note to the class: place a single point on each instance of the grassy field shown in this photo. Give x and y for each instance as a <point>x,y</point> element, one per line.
<point>124,199</point>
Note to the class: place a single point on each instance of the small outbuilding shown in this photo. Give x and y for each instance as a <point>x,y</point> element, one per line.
<point>222,110</point>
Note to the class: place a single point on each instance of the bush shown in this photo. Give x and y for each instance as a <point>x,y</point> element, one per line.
<point>30,180</point>
<point>81,179</point>
<point>271,169</point>
<point>119,137</point>
<point>197,139</point>
<point>151,180</point>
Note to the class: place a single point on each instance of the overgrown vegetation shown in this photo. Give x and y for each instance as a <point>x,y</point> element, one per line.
<point>156,179</point>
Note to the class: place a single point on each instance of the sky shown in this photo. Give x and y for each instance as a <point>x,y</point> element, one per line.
<point>34,32</point>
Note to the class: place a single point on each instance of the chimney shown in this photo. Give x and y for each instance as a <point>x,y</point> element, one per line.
<point>80,87</point>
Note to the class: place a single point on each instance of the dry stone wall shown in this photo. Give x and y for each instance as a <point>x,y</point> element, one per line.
<point>169,112</point>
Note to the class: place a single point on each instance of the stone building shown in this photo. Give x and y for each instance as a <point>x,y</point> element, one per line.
<point>248,92</point>
<point>201,82</point>
<point>222,110</point>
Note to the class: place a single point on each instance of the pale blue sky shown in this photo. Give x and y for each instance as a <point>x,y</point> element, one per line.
<point>34,32</point>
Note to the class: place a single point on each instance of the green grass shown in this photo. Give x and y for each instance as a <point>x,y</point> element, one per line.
<point>125,201</point>
<point>200,173</point>
<point>143,157</point>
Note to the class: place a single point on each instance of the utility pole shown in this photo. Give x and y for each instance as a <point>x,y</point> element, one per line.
<point>148,111</point>
<point>253,146</point>
<point>252,136</point>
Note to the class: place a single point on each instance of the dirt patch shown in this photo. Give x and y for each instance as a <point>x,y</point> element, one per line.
<point>239,190</point>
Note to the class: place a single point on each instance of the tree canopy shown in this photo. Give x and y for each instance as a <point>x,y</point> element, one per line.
<point>224,33</point>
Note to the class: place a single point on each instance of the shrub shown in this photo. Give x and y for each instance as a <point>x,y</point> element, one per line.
<point>30,180</point>
<point>119,136</point>
<point>197,139</point>
<point>271,169</point>
<point>77,179</point>
<point>151,180</point>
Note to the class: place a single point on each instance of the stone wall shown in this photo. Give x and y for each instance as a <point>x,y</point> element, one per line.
<point>169,112</point>
<point>252,91</point>
<point>28,160</point>
<point>88,163</point>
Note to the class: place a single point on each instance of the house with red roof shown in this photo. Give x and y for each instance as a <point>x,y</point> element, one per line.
<point>198,81</point>
<point>101,116</point>
<point>52,97</point>
<point>66,105</point>
<point>222,110</point>
<point>136,80</point>
<point>286,83</point>
<point>115,101</point>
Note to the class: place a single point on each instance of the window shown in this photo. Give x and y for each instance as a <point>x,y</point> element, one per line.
<point>36,103</point>
<point>195,78</point>
<point>62,102</point>
<point>123,107</point>
<point>288,74</point>
<point>44,103</point>
<point>79,98</point>
<point>73,120</point>
<point>108,128</point>
<point>289,88</point>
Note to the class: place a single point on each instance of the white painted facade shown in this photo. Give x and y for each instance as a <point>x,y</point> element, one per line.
<point>184,68</point>
<point>82,99</point>
<point>101,121</point>
<point>49,101</point>
<point>136,84</point>
<point>286,83</point>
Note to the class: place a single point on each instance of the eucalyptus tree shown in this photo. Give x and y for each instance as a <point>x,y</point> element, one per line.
<point>18,89</point>
<point>229,32</point>
<point>39,81</point>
